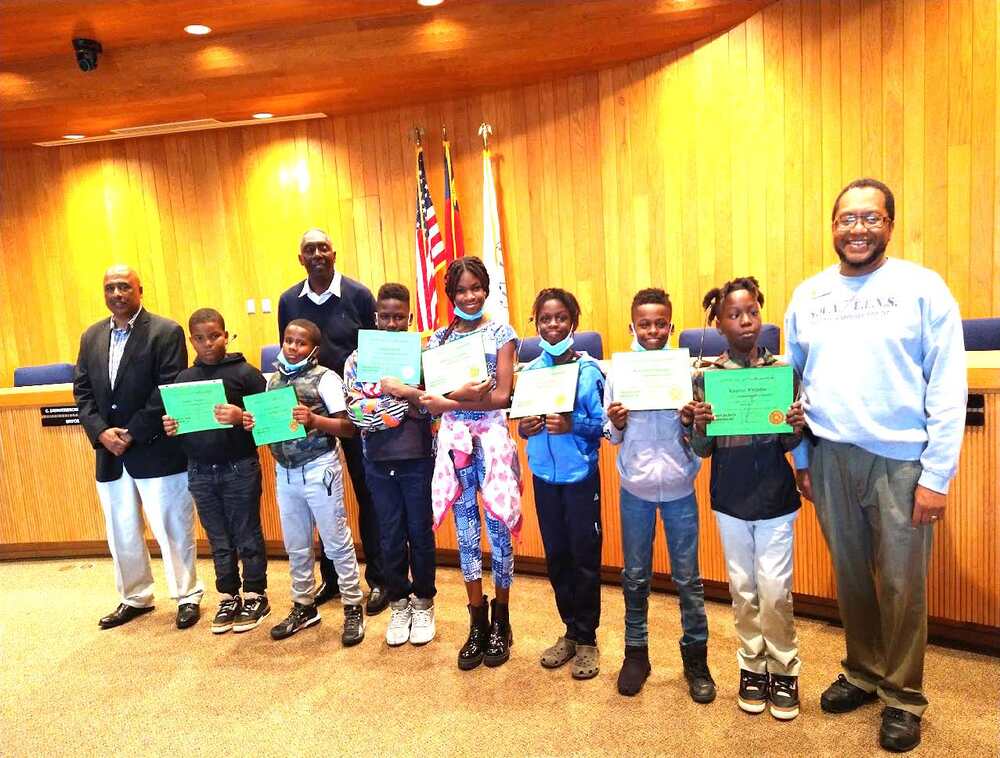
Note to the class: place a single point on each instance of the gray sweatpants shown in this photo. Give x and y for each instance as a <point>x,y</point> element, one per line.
<point>865,503</point>
<point>313,496</point>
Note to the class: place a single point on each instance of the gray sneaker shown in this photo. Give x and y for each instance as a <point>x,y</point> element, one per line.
<point>398,631</point>
<point>422,628</point>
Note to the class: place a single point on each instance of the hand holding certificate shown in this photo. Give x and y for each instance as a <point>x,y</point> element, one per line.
<point>542,391</point>
<point>454,365</point>
<point>383,353</point>
<point>192,404</point>
<point>749,401</point>
<point>272,416</point>
<point>652,380</point>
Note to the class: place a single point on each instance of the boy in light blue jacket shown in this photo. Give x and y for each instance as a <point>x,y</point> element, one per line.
<point>562,454</point>
<point>657,470</point>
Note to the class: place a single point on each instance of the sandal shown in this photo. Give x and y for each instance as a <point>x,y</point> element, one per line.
<point>560,653</point>
<point>586,663</point>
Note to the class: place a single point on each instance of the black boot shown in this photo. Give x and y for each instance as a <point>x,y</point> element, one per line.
<point>471,654</point>
<point>635,670</point>
<point>501,638</point>
<point>700,682</point>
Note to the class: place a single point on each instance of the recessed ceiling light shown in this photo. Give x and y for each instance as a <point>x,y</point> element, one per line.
<point>73,136</point>
<point>197,29</point>
<point>429,3</point>
<point>263,115</point>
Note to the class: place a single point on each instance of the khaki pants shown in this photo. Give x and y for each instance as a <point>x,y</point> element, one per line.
<point>865,503</point>
<point>759,563</point>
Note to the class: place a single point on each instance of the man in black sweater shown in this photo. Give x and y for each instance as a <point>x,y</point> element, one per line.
<point>340,307</point>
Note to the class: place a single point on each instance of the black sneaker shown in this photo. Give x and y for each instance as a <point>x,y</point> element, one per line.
<point>254,610</point>
<point>300,617</point>
<point>784,696</point>
<point>354,625</point>
<point>226,615</point>
<point>753,692</point>
<point>844,697</point>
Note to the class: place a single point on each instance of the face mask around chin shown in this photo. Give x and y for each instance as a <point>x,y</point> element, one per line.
<point>557,349</point>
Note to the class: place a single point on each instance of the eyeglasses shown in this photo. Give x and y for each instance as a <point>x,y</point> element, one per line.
<point>311,247</point>
<point>868,220</point>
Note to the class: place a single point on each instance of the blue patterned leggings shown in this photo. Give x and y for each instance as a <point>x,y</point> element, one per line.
<point>468,526</point>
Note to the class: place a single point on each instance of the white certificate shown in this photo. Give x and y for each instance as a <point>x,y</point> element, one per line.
<point>652,380</point>
<point>454,364</point>
<point>545,390</point>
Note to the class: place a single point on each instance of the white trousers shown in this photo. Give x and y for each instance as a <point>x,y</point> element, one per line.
<point>759,562</point>
<point>170,513</point>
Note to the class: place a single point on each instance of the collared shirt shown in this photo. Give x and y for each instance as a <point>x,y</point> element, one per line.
<point>322,297</point>
<point>119,336</point>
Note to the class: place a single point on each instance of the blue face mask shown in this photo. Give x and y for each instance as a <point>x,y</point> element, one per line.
<point>291,368</point>
<point>558,348</point>
<point>468,316</point>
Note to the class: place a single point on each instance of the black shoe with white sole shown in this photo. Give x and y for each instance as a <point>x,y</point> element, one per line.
<point>784,696</point>
<point>300,617</point>
<point>354,625</point>
<point>753,692</point>
<point>226,615</point>
<point>254,610</point>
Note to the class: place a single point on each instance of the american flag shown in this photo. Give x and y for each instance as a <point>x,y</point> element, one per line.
<point>430,251</point>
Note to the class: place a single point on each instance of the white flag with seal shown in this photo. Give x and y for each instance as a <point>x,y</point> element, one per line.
<point>497,307</point>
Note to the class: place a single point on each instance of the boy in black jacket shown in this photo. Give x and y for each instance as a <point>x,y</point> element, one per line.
<point>224,477</point>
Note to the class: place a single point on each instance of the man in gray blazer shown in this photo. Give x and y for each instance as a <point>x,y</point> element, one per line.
<point>121,364</point>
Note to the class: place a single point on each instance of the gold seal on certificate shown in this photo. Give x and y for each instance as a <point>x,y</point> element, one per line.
<point>541,391</point>
<point>776,417</point>
<point>652,380</point>
<point>294,426</point>
<point>448,367</point>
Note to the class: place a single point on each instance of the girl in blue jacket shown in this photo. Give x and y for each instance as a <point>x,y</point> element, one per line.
<point>562,454</point>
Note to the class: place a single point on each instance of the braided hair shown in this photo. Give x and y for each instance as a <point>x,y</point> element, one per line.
<point>456,268</point>
<point>714,298</point>
<point>563,296</point>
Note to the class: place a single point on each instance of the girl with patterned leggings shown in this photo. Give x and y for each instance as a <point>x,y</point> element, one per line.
<point>476,455</point>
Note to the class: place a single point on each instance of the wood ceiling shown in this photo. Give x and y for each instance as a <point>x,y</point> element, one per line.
<point>299,56</point>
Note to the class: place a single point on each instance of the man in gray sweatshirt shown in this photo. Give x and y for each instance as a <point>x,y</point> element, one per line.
<point>878,342</point>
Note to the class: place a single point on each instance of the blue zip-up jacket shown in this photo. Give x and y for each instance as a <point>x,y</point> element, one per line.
<point>572,457</point>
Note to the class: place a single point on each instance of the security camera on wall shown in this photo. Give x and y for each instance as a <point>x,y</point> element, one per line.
<point>87,51</point>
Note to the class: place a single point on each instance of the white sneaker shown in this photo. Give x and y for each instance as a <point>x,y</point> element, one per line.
<point>422,630</point>
<point>398,631</point>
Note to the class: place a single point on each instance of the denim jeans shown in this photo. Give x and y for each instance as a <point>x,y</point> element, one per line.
<point>401,491</point>
<point>680,525</point>
<point>227,496</point>
<point>569,518</point>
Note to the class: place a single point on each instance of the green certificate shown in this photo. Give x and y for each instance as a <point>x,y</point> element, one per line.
<point>545,390</point>
<point>652,380</point>
<point>382,354</point>
<point>192,404</point>
<point>272,416</point>
<point>749,400</point>
<point>455,364</point>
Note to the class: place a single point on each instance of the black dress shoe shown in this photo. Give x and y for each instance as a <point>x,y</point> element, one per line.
<point>187,615</point>
<point>378,601</point>
<point>326,591</point>
<point>900,730</point>
<point>844,697</point>
<point>122,615</point>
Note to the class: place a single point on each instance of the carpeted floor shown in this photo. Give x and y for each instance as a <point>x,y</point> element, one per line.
<point>69,688</point>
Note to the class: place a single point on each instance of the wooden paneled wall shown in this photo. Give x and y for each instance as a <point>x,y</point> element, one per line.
<point>719,159</point>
